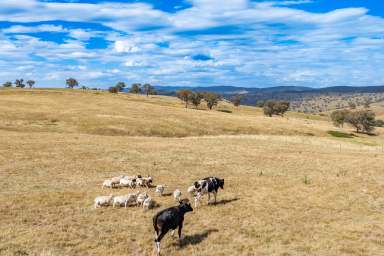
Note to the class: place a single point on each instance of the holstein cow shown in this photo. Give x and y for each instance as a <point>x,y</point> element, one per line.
<point>170,219</point>
<point>208,185</point>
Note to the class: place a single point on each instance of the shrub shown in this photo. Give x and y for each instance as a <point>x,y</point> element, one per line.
<point>135,88</point>
<point>71,82</point>
<point>212,99</point>
<point>184,95</point>
<point>7,84</point>
<point>149,89</point>
<point>195,98</point>
<point>363,120</point>
<point>339,117</point>
<point>260,103</point>
<point>113,89</point>
<point>120,86</point>
<point>236,100</point>
<point>275,107</point>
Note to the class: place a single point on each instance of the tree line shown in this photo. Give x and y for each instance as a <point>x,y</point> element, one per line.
<point>364,121</point>
<point>20,83</point>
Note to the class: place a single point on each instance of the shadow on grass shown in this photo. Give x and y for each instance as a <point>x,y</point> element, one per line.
<point>196,238</point>
<point>167,194</point>
<point>225,201</point>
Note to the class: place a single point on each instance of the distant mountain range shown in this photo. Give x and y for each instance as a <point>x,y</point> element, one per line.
<point>251,95</point>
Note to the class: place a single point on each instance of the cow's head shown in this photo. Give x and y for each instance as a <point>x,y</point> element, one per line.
<point>185,206</point>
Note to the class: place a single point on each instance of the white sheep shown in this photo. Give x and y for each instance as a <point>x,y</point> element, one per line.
<point>108,184</point>
<point>139,182</point>
<point>125,182</point>
<point>141,198</point>
<point>125,199</point>
<point>116,180</point>
<point>192,189</point>
<point>148,203</point>
<point>160,189</point>
<point>103,201</point>
<point>177,195</point>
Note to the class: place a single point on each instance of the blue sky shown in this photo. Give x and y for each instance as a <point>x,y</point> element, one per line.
<point>247,43</point>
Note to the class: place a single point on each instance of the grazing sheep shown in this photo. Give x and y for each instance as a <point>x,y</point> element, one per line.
<point>144,181</point>
<point>170,219</point>
<point>116,181</point>
<point>139,182</point>
<point>125,199</point>
<point>148,203</point>
<point>125,182</point>
<point>141,198</point>
<point>103,201</point>
<point>160,189</point>
<point>107,184</point>
<point>177,194</point>
<point>191,190</point>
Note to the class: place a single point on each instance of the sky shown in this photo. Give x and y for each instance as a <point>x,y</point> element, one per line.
<point>246,43</point>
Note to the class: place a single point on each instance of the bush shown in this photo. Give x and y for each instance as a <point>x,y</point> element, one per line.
<point>212,99</point>
<point>184,95</point>
<point>339,117</point>
<point>7,84</point>
<point>196,98</point>
<point>275,107</point>
<point>113,89</point>
<point>363,120</point>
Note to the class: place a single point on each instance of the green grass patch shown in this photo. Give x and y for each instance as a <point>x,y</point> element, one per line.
<point>338,134</point>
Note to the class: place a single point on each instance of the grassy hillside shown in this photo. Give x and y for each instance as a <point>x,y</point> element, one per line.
<point>286,192</point>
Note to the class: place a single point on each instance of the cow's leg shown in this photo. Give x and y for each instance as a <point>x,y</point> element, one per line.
<point>179,232</point>
<point>209,197</point>
<point>214,195</point>
<point>158,239</point>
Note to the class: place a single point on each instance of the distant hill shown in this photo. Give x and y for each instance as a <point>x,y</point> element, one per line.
<point>299,96</point>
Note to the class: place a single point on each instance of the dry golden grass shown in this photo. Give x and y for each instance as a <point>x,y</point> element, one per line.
<point>284,195</point>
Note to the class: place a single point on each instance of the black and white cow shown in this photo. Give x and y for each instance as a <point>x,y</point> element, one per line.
<point>208,185</point>
<point>170,219</point>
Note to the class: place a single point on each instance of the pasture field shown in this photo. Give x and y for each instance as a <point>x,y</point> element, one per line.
<point>290,187</point>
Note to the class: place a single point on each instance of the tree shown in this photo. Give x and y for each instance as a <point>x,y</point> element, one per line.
<point>212,99</point>
<point>135,88</point>
<point>120,86</point>
<point>363,120</point>
<point>339,117</point>
<point>84,87</point>
<point>149,89</point>
<point>71,82</point>
<point>184,95</point>
<point>113,89</point>
<point>19,83</point>
<point>236,100</point>
<point>196,98</point>
<point>260,103</point>
<point>30,83</point>
<point>7,84</point>
<point>367,103</point>
<point>275,107</point>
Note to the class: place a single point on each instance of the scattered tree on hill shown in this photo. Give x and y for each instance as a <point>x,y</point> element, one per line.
<point>135,88</point>
<point>196,98</point>
<point>236,100</point>
<point>339,117</point>
<point>113,89</point>
<point>212,99</point>
<point>275,107</point>
<point>363,120</point>
<point>19,83</point>
<point>149,89</point>
<point>120,86</point>
<point>184,95</point>
<point>30,83</point>
<point>71,83</point>
<point>351,105</point>
<point>7,84</point>
<point>367,103</point>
